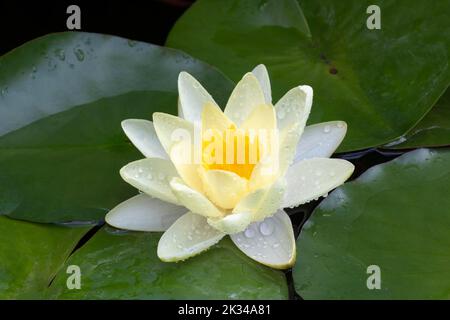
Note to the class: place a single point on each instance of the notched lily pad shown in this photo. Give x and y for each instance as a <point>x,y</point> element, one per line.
<point>395,216</point>
<point>62,99</point>
<point>31,255</point>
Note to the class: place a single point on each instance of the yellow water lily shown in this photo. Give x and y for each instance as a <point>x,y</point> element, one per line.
<point>209,173</point>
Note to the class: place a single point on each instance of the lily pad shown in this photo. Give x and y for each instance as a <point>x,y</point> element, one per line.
<point>432,131</point>
<point>124,265</point>
<point>62,99</point>
<point>381,82</point>
<point>31,255</point>
<point>396,216</point>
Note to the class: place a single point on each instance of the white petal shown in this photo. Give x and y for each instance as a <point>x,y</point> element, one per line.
<point>193,97</point>
<point>188,236</point>
<point>312,178</point>
<point>143,135</point>
<point>151,176</point>
<point>320,140</point>
<point>246,95</point>
<point>292,113</point>
<point>143,213</point>
<point>263,202</point>
<point>231,223</point>
<point>194,200</point>
<point>260,72</point>
<point>180,109</point>
<point>270,242</point>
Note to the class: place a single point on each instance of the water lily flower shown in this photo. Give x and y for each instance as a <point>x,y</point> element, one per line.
<point>199,202</point>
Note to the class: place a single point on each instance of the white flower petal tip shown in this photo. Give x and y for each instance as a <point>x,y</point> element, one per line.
<point>151,176</point>
<point>320,140</point>
<point>231,223</point>
<point>193,96</point>
<point>260,72</point>
<point>245,97</point>
<point>143,213</point>
<point>270,242</point>
<point>187,237</point>
<point>194,200</point>
<point>143,135</point>
<point>312,178</point>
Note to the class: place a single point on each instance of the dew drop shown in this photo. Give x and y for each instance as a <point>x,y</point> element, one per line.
<point>131,43</point>
<point>276,245</point>
<point>327,129</point>
<point>340,124</point>
<point>249,233</point>
<point>266,227</point>
<point>149,176</point>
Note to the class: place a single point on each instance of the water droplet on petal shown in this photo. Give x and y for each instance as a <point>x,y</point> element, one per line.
<point>327,129</point>
<point>266,227</point>
<point>249,233</point>
<point>276,245</point>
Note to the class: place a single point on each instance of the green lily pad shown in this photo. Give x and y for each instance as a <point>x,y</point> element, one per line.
<point>395,216</point>
<point>381,82</point>
<point>31,255</point>
<point>63,98</point>
<point>432,131</point>
<point>123,265</point>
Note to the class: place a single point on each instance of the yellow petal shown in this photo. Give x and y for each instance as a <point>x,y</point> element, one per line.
<point>263,202</point>
<point>246,95</point>
<point>183,157</point>
<point>194,200</point>
<point>224,188</point>
<point>214,118</point>
<point>262,117</point>
<point>231,223</point>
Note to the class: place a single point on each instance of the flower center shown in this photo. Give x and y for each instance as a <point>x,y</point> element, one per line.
<point>233,149</point>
